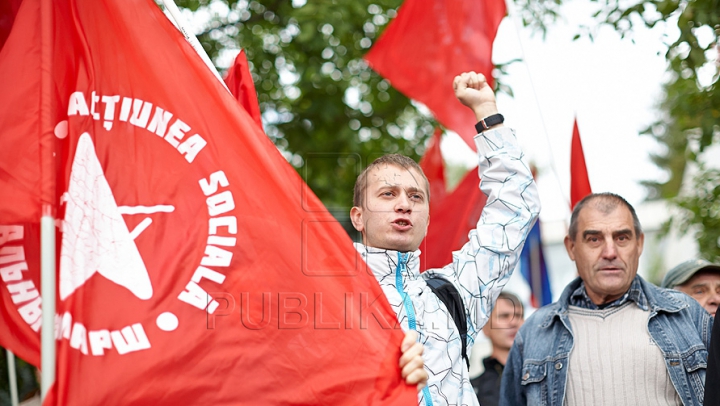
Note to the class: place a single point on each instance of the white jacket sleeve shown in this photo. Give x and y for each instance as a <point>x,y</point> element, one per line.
<point>484,264</point>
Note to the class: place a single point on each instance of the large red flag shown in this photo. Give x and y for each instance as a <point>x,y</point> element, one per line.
<point>579,181</point>
<point>429,43</point>
<point>194,266</point>
<point>240,82</point>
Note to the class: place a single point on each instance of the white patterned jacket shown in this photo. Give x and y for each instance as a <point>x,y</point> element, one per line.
<point>479,269</point>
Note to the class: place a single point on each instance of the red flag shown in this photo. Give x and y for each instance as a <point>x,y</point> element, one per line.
<point>452,220</point>
<point>8,9</point>
<point>20,185</point>
<point>579,181</point>
<point>194,266</point>
<point>434,169</point>
<point>429,43</point>
<point>239,80</point>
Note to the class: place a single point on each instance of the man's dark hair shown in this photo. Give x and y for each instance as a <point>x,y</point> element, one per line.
<point>398,160</point>
<point>606,203</point>
<point>511,297</point>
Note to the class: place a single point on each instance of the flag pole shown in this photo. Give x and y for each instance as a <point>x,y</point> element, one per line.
<point>179,21</point>
<point>47,284</point>
<point>47,221</point>
<point>12,377</point>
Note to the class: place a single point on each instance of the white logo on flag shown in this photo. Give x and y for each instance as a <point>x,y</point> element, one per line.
<point>95,236</point>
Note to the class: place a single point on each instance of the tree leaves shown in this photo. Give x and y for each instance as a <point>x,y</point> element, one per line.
<point>317,95</point>
<point>319,98</point>
<point>690,107</point>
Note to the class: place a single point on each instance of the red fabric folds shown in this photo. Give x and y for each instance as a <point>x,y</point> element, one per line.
<point>240,82</point>
<point>8,9</point>
<point>429,43</point>
<point>194,265</point>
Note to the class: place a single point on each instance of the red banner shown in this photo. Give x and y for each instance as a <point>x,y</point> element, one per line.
<point>429,43</point>
<point>194,265</point>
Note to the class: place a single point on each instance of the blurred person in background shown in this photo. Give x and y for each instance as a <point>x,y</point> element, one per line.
<point>505,320</point>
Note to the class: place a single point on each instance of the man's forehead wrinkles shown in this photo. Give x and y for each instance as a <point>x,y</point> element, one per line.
<point>394,178</point>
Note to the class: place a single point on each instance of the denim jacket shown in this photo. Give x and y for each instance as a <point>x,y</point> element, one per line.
<point>536,369</point>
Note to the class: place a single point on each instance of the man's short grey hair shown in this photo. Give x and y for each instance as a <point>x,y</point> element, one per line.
<point>606,203</point>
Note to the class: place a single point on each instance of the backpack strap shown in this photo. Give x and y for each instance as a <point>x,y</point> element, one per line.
<point>449,295</point>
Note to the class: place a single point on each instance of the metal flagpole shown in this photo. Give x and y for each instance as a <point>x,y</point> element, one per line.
<point>47,284</point>
<point>12,375</point>
<point>171,7</point>
<point>47,222</point>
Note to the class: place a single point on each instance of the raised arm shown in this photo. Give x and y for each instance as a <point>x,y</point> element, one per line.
<point>484,264</point>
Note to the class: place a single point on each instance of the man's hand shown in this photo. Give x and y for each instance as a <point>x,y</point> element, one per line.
<point>473,91</point>
<point>411,362</point>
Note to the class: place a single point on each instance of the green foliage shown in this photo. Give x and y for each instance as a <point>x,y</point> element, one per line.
<point>323,107</point>
<point>329,113</point>
<point>690,107</point>
<point>701,212</point>
<point>27,384</point>
<point>538,14</point>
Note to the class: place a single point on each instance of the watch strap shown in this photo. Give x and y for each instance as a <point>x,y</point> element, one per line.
<point>489,121</point>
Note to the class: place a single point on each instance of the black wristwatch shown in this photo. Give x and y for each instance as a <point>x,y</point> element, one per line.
<point>488,122</point>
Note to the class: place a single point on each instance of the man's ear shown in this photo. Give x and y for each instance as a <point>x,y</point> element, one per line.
<point>570,246</point>
<point>488,325</point>
<point>356,216</point>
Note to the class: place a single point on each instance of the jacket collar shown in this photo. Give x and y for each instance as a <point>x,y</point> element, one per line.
<point>384,263</point>
<point>659,300</point>
<point>635,293</point>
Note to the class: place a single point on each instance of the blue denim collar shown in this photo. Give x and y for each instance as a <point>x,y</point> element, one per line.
<point>646,295</point>
<point>580,298</point>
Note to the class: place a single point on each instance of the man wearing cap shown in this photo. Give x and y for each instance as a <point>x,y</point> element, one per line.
<point>699,279</point>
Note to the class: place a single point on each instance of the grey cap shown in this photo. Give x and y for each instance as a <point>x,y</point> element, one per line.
<point>684,271</point>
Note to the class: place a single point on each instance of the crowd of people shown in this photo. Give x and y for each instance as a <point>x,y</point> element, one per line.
<point>612,338</point>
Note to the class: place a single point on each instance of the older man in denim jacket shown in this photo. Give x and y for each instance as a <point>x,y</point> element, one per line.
<point>612,338</point>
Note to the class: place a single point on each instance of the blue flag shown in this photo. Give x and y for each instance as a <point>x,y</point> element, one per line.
<point>534,270</point>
